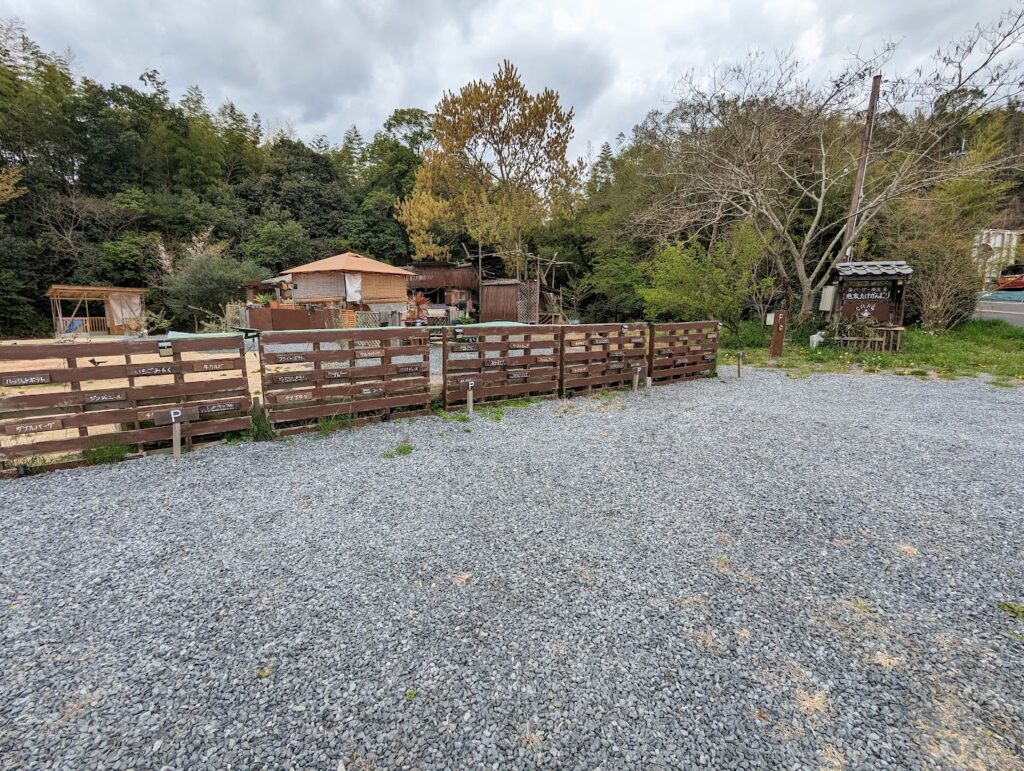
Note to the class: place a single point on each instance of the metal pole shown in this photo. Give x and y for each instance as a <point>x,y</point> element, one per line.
<point>862,165</point>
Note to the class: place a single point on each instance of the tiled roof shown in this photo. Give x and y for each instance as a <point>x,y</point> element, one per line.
<point>349,262</point>
<point>879,268</point>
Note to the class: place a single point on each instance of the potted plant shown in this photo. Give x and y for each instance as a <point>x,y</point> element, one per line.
<point>265,299</point>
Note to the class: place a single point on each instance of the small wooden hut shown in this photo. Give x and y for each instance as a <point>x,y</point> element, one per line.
<point>866,301</point>
<point>76,310</point>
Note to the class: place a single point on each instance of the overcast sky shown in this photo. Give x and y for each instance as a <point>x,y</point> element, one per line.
<point>321,66</point>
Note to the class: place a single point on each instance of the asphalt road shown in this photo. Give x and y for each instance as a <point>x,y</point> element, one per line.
<point>1011,312</point>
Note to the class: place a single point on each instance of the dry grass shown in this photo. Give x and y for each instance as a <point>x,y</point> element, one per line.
<point>706,638</point>
<point>811,702</point>
<point>72,708</point>
<point>461,579</point>
<point>693,602</point>
<point>723,564</point>
<point>886,661</point>
<point>832,759</point>
<point>534,740</point>
<point>908,550</point>
<point>959,741</point>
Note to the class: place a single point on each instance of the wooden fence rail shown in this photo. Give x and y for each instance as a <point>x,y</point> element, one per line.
<point>361,375</point>
<point>57,400</point>
<point>500,362</point>
<point>682,351</point>
<point>602,355</point>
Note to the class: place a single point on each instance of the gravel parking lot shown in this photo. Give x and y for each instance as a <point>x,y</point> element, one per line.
<point>758,573</point>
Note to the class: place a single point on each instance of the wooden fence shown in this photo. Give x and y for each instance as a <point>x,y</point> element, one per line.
<point>603,355</point>
<point>501,362</point>
<point>62,399</point>
<point>682,351</point>
<point>358,375</point>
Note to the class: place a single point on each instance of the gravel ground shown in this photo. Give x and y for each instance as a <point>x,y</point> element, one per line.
<point>766,572</point>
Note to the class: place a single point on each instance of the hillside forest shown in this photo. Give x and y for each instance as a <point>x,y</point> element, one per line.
<point>732,200</point>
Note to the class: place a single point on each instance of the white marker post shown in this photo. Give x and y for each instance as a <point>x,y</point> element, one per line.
<point>469,397</point>
<point>176,439</point>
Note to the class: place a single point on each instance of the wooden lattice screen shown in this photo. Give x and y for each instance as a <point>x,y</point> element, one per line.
<point>58,400</point>
<point>500,362</point>
<point>682,351</point>
<point>361,375</point>
<point>601,355</point>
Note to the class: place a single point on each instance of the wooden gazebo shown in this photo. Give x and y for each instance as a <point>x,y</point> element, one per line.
<point>123,310</point>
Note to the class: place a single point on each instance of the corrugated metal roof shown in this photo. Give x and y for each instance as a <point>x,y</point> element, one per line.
<point>349,262</point>
<point>876,268</point>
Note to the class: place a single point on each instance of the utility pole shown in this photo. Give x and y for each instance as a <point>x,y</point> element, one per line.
<point>862,166</point>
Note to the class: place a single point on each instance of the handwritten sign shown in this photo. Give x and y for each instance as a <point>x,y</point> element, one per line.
<point>410,368</point>
<point>546,359</point>
<point>336,373</point>
<point>154,369</point>
<point>298,377</point>
<point>33,428</point>
<point>868,294</point>
<point>103,398</point>
<point>298,396</point>
<point>464,347</point>
<point>213,409</point>
<point>289,358</point>
<point>494,362</point>
<point>516,374</point>
<point>371,390</point>
<point>23,380</point>
<point>636,340</point>
<point>518,346</point>
<point>370,353</point>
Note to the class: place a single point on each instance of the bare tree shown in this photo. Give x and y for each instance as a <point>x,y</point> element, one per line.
<point>757,141</point>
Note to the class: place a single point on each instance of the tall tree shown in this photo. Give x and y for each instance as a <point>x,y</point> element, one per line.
<point>500,166</point>
<point>756,142</point>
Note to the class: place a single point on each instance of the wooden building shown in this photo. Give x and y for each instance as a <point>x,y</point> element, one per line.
<point>866,302</point>
<point>343,285</point>
<point>76,310</point>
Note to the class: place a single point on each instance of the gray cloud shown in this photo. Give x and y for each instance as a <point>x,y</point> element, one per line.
<point>321,65</point>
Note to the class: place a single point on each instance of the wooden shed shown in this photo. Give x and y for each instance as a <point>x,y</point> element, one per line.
<point>76,310</point>
<point>509,299</point>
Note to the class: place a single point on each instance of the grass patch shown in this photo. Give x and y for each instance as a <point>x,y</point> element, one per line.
<point>975,347</point>
<point>1013,608</point>
<point>450,417</point>
<point>262,428</point>
<point>331,423</point>
<point>492,412</point>
<point>106,453</point>
<point>401,449</point>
